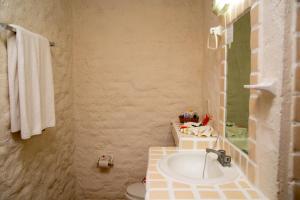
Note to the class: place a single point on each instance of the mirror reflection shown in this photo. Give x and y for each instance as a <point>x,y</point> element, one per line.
<point>238,75</point>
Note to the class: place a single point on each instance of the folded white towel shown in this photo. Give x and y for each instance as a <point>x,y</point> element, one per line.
<point>30,83</point>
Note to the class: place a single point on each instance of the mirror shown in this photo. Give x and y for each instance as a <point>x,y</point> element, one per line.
<point>238,75</point>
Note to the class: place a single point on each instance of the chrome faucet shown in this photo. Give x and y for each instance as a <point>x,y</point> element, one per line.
<point>223,159</point>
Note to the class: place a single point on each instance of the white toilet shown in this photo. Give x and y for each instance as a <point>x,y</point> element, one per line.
<point>136,191</point>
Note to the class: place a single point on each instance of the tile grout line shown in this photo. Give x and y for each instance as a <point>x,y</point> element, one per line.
<point>195,192</point>
<point>220,192</point>
<point>243,190</point>
<point>170,189</point>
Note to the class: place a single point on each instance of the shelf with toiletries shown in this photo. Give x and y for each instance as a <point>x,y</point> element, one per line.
<point>192,134</point>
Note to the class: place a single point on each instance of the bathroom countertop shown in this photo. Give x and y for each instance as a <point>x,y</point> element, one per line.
<point>160,187</point>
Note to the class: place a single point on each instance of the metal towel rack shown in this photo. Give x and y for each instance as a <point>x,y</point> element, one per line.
<point>10,28</point>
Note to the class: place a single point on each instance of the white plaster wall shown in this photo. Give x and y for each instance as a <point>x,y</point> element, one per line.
<point>271,112</point>
<point>137,64</point>
<point>285,168</point>
<point>39,168</point>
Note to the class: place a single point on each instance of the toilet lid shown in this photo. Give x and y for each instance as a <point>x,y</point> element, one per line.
<point>137,190</point>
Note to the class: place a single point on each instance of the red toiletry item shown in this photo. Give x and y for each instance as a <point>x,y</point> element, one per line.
<point>182,127</point>
<point>205,120</point>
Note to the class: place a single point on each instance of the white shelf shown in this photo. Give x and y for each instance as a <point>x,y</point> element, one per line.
<point>266,86</point>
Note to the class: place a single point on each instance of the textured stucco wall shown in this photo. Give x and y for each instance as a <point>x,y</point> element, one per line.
<point>39,168</point>
<point>137,64</point>
<point>284,169</point>
<point>271,112</point>
<point>211,66</point>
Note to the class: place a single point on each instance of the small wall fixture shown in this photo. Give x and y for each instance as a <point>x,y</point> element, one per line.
<point>266,86</point>
<point>217,32</point>
<point>220,7</point>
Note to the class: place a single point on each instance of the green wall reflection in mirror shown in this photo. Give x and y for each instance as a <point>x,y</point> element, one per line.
<point>238,75</point>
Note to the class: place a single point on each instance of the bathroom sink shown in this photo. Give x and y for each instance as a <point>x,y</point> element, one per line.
<point>187,167</point>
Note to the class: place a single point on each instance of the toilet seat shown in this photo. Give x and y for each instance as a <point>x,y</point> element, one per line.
<point>136,191</point>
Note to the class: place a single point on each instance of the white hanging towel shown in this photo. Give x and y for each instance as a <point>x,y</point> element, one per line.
<point>30,79</point>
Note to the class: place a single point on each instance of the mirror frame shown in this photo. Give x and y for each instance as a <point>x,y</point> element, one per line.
<point>246,162</point>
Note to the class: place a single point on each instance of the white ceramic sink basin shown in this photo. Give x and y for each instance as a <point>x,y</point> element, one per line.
<point>187,167</point>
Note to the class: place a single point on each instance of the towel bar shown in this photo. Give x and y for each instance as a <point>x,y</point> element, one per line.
<point>10,28</point>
